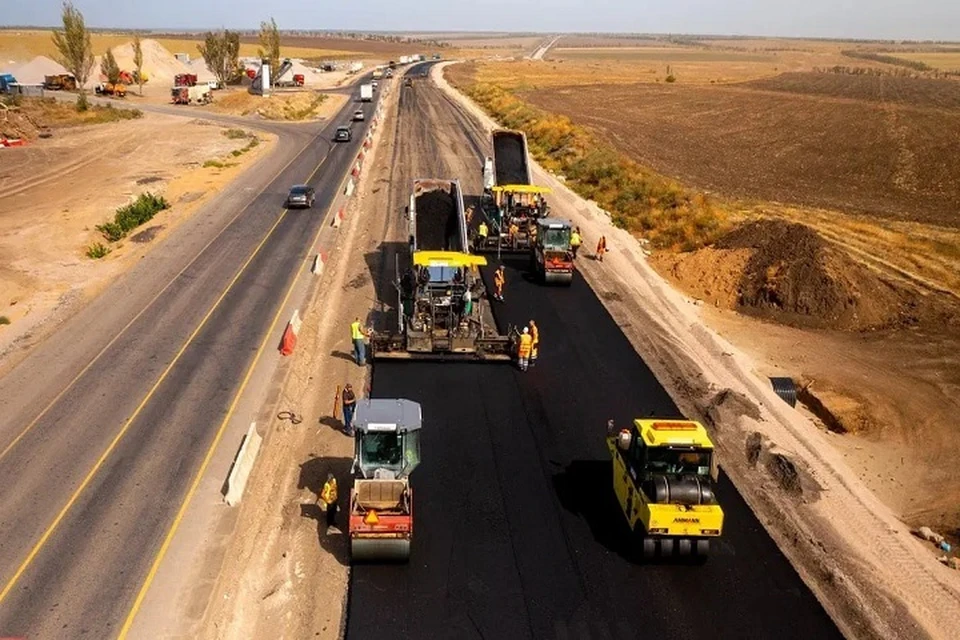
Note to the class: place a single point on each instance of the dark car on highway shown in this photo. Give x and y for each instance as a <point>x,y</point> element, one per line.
<point>301,196</point>
<point>343,134</point>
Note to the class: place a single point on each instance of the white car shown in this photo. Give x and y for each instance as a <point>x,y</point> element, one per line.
<point>358,115</point>
<point>375,85</point>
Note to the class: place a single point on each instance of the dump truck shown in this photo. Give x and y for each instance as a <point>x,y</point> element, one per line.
<point>664,473</point>
<point>199,94</point>
<point>6,83</point>
<point>366,92</point>
<point>386,452</point>
<point>551,258</point>
<point>117,90</point>
<point>442,310</point>
<point>185,80</point>
<point>510,202</point>
<point>60,82</point>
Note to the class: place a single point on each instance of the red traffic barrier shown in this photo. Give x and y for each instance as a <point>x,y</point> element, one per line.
<point>289,341</point>
<point>338,219</point>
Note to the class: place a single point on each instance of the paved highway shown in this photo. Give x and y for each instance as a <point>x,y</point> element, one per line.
<point>517,533</point>
<point>106,423</point>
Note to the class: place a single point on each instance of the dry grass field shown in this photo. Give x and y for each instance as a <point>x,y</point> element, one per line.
<point>861,144</point>
<point>942,60</point>
<point>20,46</point>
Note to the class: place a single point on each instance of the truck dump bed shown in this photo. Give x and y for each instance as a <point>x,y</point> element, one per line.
<point>436,216</point>
<point>510,157</point>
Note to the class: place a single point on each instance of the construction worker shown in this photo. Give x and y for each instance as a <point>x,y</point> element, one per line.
<point>349,399</point>
<point>523,351</point>
<point>483,231</point>
<point>499,280</point>
<point>575,242</point>
<point>534,343</point>
<point>357,334</point>
<point>467,303</point>
<point>328,497</point>
<point>601,248</point>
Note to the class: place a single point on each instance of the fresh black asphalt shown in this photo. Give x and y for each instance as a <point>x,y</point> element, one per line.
<point>84,578</point>
<point>517,533</point>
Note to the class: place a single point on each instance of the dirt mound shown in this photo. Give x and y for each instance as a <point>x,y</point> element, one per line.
<point>34,71</point>
<point>16,123</point>
<point>710,274</point>
<point>795,277</point>
<point>437,221</point>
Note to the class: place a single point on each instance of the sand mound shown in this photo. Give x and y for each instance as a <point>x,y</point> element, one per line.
<point>34,71</point>
<point>159,65</point>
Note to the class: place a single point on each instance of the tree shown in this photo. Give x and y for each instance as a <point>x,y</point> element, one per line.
<point>270,46</point>
<point>73,45</point>
<point>110,68</point>
<point>221,52</point>
<point>138,61</point>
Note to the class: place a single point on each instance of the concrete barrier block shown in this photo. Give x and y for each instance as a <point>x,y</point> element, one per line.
<point>242,466</point>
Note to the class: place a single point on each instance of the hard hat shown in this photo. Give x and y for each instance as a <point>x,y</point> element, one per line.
<point>526,330</point>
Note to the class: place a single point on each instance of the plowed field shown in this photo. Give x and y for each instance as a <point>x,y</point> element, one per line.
<point>877,145</point>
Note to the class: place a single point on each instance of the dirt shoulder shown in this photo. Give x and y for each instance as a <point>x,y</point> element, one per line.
<point>872,576</point>
<point>284,573</point>
<point>57,190</point>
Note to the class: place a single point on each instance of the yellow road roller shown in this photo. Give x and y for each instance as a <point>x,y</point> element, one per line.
<point>664,475</point>
<point>386,451</point>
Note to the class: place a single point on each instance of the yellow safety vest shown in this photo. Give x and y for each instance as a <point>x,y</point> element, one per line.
<point>483,230</point>
<point>355,331</point>
<point>525,344</point>
<point>535,334</point>
<point>329,493</point>
<point>575,239</point>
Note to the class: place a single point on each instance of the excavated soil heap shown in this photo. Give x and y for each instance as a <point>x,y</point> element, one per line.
<point>794,276</point>
<point>437,222</point>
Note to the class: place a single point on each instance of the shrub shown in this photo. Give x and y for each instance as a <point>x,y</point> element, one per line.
<point>671,78</point>
<point>97,250</point>
<point>82,103</point>
<point>235,134</point>
<point>4,320</point>
<point>132,216</point>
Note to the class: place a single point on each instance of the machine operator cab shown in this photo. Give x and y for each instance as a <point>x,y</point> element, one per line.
<point>664,474</point>
<point>388,438</point>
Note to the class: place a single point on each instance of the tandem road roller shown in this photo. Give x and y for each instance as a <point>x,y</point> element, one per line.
<point>663,475</point>
<point>386,451</point>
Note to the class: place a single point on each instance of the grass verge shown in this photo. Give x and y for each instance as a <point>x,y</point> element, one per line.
<point>132,216</point>
<point>666,213</point>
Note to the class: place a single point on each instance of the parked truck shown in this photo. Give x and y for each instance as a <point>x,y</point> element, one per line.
<point>60,82</point>
<point>366,92</point>
<point>199,94</point>
<point>6,83</point>
<point>442,311</point>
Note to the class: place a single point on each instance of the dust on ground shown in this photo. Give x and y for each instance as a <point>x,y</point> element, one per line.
<point>292,106</point>
<point>57,190</point>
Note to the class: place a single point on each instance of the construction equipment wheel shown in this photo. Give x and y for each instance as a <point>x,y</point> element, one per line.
<point>666,547</point>
<point>649,548</point>
<point>684,547</point>
<point>374,550</point>
<point>703,550</point>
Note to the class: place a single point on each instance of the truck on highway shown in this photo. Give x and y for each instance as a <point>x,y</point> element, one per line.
<point>664,474</point>
<point>442,311</point>
<point>386,452</point>
<point>366,92</point>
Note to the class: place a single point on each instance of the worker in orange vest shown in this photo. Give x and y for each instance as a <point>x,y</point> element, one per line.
<point>499,280</point>
<point>523,351</point>
<point>328,497</point>
<point>601,248</point>
<point>534,343</point>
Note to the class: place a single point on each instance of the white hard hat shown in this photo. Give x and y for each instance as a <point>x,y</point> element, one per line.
<point>526,330</point>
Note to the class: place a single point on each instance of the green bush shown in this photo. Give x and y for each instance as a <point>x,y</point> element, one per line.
<point>132,216</point>
<point>97,250</point>
<point>82,103</point>
<point>4,320</point>
<point>671,78</point>
<point>236,134</point>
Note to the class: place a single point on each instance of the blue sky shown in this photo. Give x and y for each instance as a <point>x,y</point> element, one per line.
<point>891,19</point>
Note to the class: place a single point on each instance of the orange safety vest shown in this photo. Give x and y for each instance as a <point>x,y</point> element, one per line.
<point>329,493</point>
<point>526,343</point>
<point>535,341</point>
<point>498,278</point>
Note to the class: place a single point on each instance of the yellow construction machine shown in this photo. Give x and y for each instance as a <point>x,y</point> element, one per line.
<point>663,475</point>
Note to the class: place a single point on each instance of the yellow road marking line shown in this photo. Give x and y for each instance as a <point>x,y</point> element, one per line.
<point>175,525</point>
<point>122,331</point>
<point>96,467</point>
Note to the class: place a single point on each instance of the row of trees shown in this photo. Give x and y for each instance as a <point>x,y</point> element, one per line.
<point>220,51</point>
